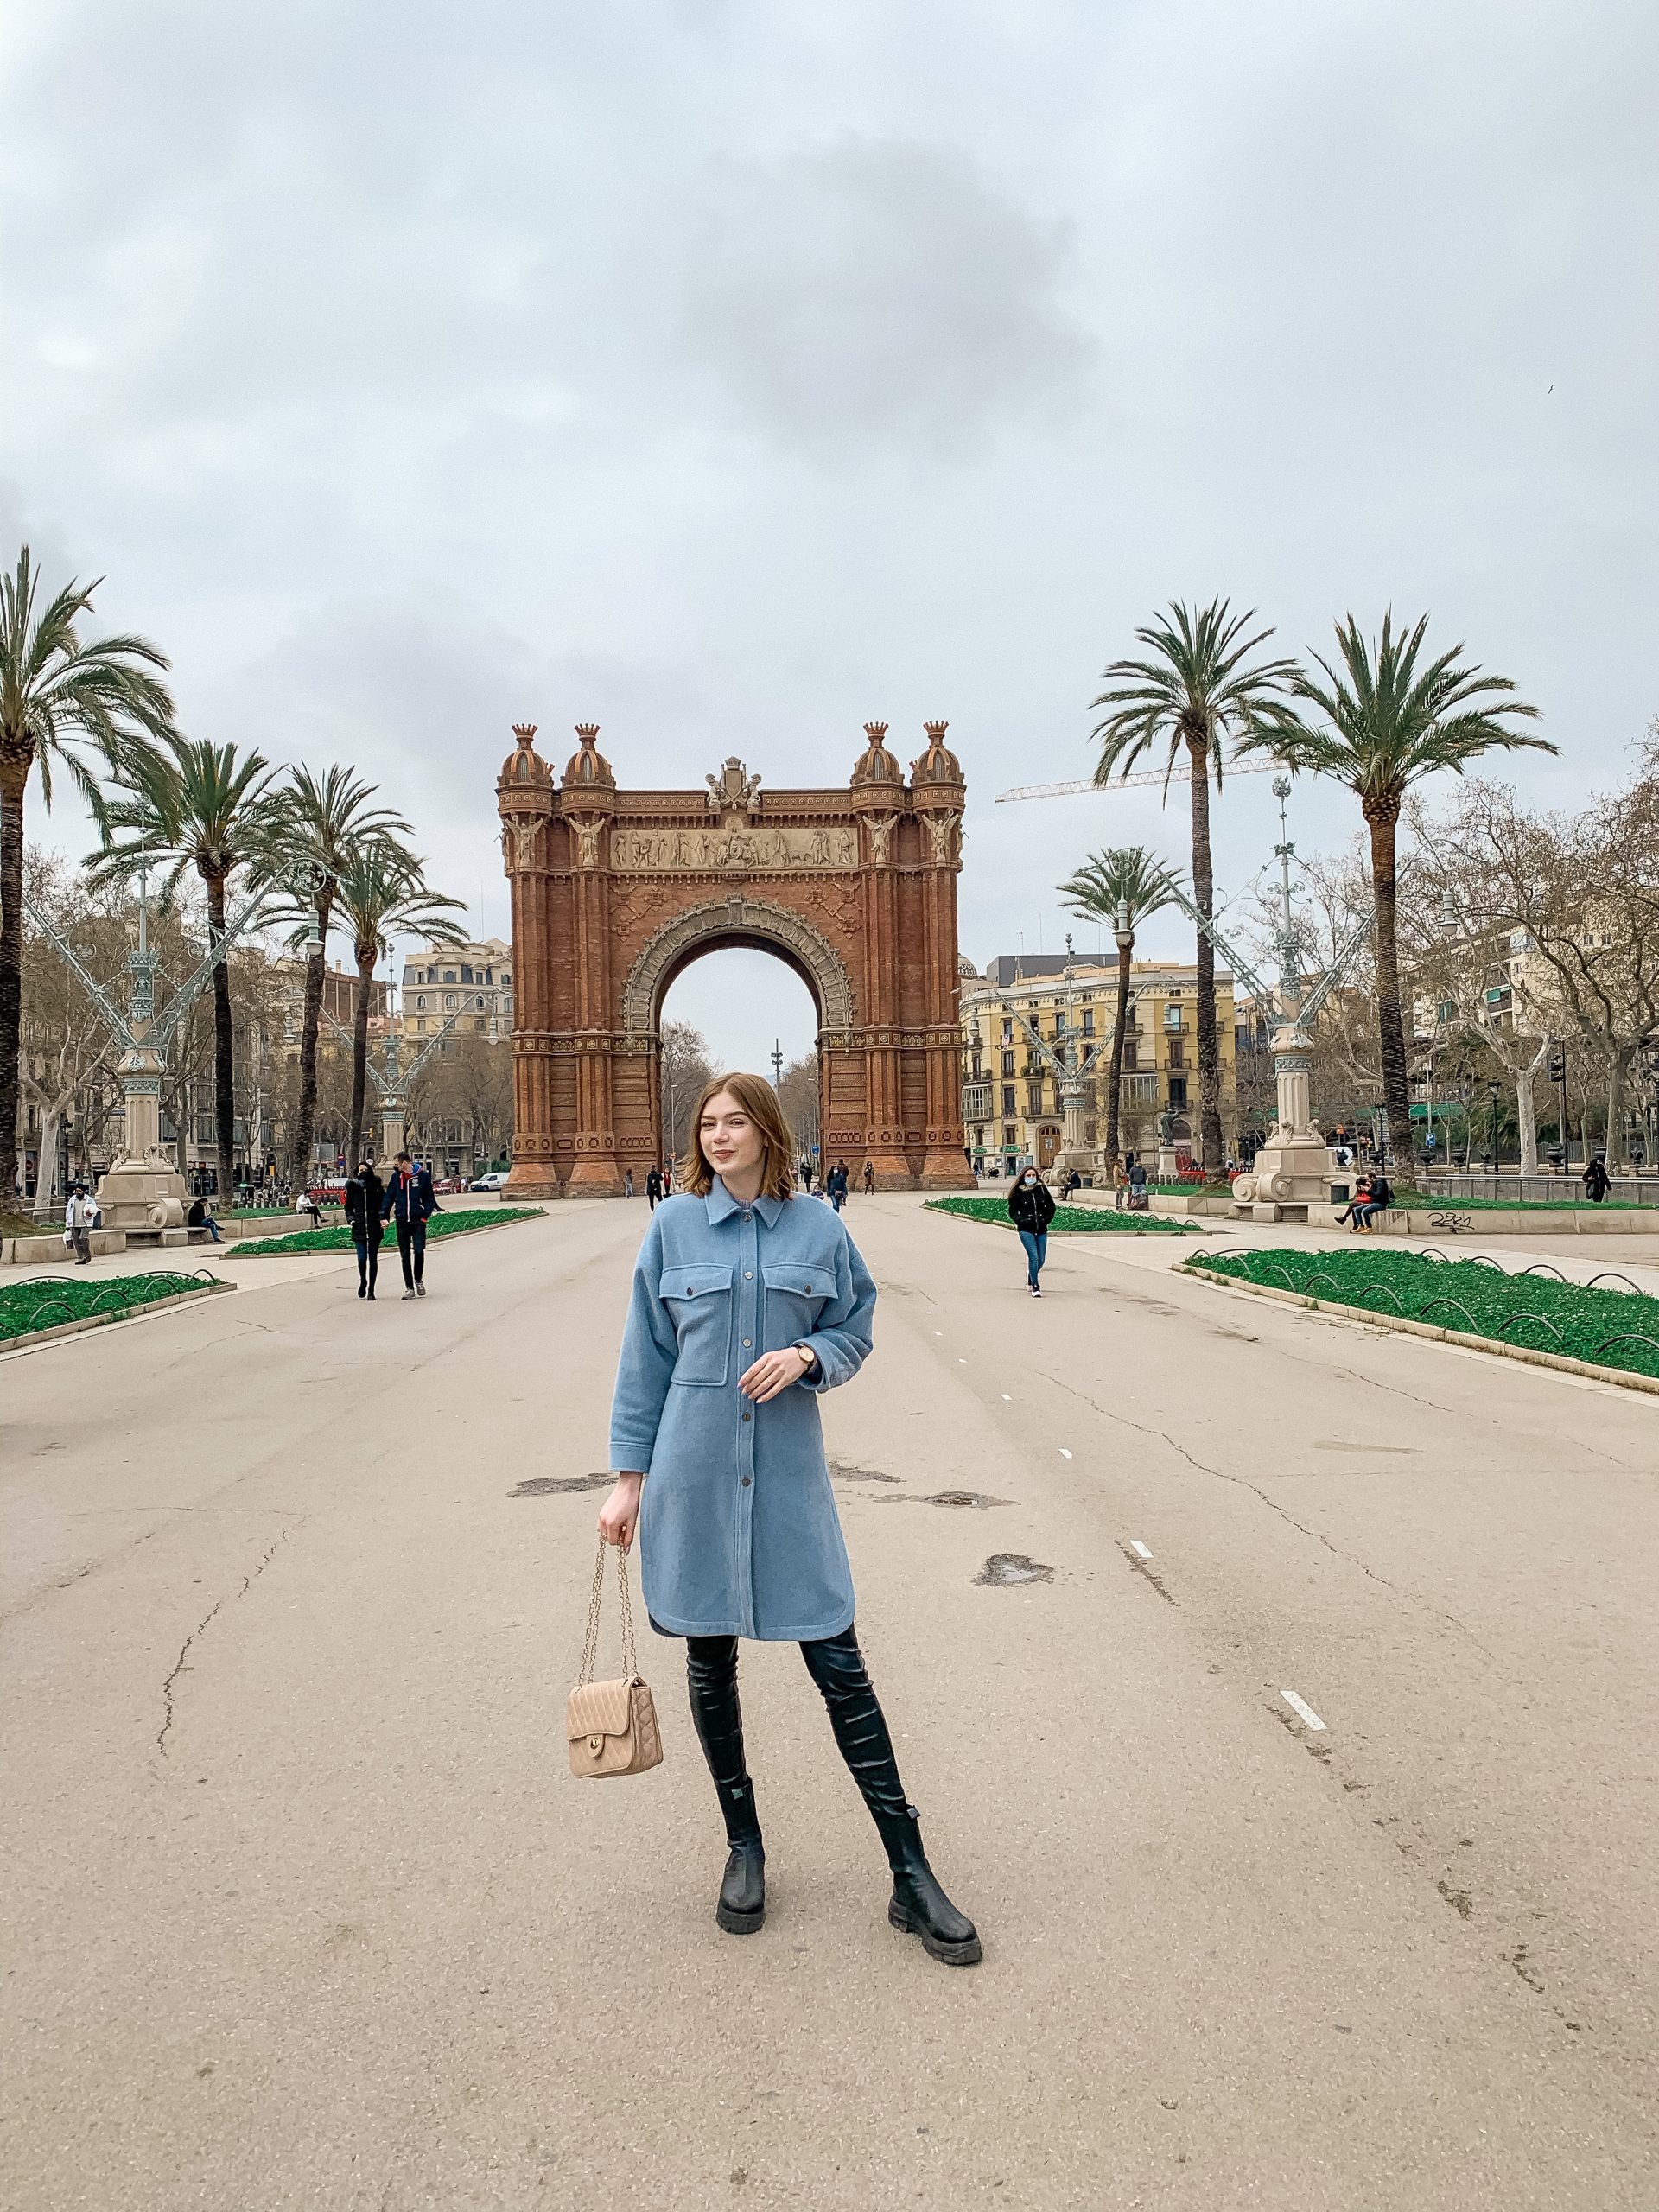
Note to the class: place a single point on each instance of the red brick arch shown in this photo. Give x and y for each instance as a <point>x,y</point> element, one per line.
<point>613,893</point>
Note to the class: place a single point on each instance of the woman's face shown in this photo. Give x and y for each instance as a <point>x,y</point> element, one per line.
<point>1030,1176</point>
<point>730,1139</point>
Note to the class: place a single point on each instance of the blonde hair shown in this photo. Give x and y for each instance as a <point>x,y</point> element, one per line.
<point>761,1102</point>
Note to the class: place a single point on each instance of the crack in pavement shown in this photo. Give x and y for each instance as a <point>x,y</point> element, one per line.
<point>179,1666</point>
<point>1243,1481</point>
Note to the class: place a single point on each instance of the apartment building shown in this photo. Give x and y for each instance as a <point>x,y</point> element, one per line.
<point>469,984</point>
<point>1010,1096</point>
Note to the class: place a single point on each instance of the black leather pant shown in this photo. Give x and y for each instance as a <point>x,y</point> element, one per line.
<point>836,1665</point>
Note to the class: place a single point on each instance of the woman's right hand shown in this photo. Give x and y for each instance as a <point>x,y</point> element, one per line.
<point>620,1515</point>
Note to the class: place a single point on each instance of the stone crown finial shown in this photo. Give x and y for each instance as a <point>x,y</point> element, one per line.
<point>589,765</point>
<point>524,764</point>
<point>875,764</point>
<point>938,765</point>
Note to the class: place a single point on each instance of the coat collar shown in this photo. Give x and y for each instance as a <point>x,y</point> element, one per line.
<point>720,1202</point>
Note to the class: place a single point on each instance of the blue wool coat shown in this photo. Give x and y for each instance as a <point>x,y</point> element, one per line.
<point>738,1530</point>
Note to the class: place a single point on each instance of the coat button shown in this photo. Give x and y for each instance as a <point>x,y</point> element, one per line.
<point>746,1482</point>
<point>745,1416</point>
<point>748,1275</point>
<point>748,1343</point>
<point>809,1286</point>
<point>748,1217</point>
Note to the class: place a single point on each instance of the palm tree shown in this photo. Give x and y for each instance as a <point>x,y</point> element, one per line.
<point>1385,727</point>
<point>1195,692</point>
<point>195,805</point>
<point>319,824</point>
<point>1123,887</point>
<point>83,705</point>
<point>383,889</point>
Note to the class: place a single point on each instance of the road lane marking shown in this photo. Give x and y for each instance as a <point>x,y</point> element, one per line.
<point>1135,1544</point>
<point>1301,1708</point>
<point>1064,1454</point>
<point>1006,1400</point>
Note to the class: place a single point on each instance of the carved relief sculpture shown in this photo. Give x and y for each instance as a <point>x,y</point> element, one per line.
<point>735,792</point>
<point>942,836</point>
<point>880,827</point>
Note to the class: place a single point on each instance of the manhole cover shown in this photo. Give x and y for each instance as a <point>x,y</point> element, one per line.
<point>963,1497</point>
<point>554,1486</point>
<point>1005,1567</point>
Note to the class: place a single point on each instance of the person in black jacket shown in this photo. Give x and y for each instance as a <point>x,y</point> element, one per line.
<point>1030,1209</point>
<point>364,1195</point>
<point>408,1203</point>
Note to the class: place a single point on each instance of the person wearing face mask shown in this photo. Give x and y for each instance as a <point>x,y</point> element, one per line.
<point>1030,1209</point>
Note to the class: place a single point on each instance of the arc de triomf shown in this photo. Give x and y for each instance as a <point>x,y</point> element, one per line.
<point>614,892</point>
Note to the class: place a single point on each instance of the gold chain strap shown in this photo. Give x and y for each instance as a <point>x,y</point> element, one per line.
<point>590,1641</point>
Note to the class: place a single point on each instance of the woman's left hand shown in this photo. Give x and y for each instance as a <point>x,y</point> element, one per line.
<point>772,1374</point>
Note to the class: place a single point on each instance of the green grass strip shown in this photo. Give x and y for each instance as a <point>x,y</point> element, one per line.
<point>46,1302</point>
<point>1609,1327</point>
<point>1087,1220</point>
<point>339,1238</point>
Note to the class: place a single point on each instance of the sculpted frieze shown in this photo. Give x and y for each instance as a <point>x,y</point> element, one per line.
<point>709,851</point>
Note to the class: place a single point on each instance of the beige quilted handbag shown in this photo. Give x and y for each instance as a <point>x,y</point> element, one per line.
<point>612,1725</point>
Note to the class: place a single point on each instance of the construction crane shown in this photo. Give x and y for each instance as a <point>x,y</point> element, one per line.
<point>1123,783</point>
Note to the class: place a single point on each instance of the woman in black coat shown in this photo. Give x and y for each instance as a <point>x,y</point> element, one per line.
<point>363,1196</point>
<point>1030,1209</point>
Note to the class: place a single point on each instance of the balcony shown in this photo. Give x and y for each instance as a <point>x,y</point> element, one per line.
<point>975,1102</point>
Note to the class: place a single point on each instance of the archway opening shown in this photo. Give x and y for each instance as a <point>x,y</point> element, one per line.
<point>739,1005</point>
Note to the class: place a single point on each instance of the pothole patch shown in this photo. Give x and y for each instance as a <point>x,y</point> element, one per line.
<point>560,1485</point>
<point>1004,1569</point>
<point>963,1497</point>
<point>844,1472</point>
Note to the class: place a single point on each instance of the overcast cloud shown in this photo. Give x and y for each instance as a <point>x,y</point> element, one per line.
<point>733,374</point>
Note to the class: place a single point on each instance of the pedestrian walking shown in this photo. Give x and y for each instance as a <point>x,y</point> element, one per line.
<point>1120,1184</point>
<point>409,1204</point>
<point>1594,1179</point>
<point>1138,1201</point>
<point>627,1182</point>
<point>1031,1207</point>
<point>869,1177</point>
<point>748,1302</point>
<point>653,1185</point>
<point>77,1216</point>
<point>804,1170</point>
<point>836,1184</point>
<point>365,1196</point>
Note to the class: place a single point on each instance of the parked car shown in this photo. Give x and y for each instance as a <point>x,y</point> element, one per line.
<point>492,1181</point>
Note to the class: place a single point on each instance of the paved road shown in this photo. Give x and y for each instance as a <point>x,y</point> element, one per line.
<point>303,1911</point>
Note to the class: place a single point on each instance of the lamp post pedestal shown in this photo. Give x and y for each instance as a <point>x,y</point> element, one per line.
<point>141,1193</point>
<point>1293,1168</point>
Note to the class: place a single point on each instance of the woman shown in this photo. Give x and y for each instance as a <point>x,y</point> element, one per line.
<point>1354,1211</point>
<point>748,1300</point>
<point>363,1196</point>
<point>1030,1209</point>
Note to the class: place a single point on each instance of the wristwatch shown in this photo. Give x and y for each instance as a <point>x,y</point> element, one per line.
<point>809,1359</point>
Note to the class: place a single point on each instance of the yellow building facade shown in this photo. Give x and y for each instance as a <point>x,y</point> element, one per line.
<point>1011,1105</point>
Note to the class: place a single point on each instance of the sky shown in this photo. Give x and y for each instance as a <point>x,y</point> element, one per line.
<point>731,375</point>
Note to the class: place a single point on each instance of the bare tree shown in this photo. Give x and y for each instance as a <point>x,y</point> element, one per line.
<point>685,1067</point>
<point>1579,900</point>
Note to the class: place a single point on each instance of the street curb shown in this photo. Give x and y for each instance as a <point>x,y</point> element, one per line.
<point>1524,1353</point>
<point>38,1336</point>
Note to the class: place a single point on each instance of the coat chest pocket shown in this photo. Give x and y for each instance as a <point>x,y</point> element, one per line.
<point>794,1298</point>
<point>699,1301</point>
